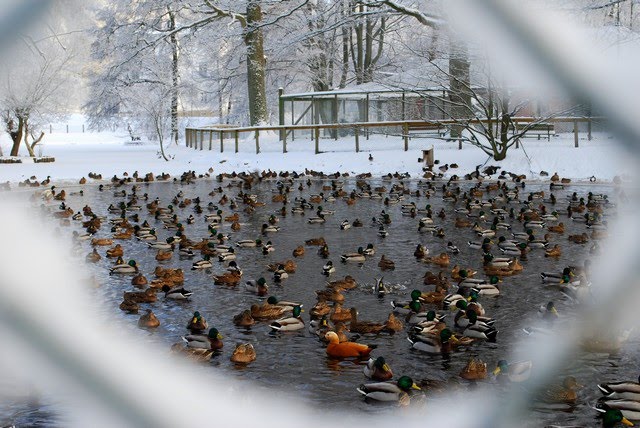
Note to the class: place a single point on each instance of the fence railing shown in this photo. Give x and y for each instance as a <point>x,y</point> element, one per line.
<point>207,137</point>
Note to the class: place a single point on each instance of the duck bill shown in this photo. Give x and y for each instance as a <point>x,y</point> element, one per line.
<point>497,371</point>
<point>219,336</point>
<point>386,367</point>
<point>555,312</point>
<point>416,387</point>
<point>454,339</point>
<point>627,422</point>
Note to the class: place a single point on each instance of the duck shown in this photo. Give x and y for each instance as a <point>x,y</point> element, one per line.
<point>515,372</point>
<point>563,393</point>
<point>378,369</point>
<point>393,324</point>
<point>386,264</point>
<point>258,286</point>
<point>197,323</point>
<point>553,252</point>
<point>389,391</point>
<point>358,257</point>
<point>116,251</point>
<point>163,255</point>
<point>337,349</point>
<point>443,343</point>
<point>205,263</point>
<point>228,278</point>
<point>345,225</point>
<point>477,329</point>
<point>328,268</point>
<point>130,267</point>
<point>625,390</point>
<point>211,341</point>
<point>474,370</point>
<point>176,293</point>
<point>244,353</point>
<point>380,289</point>
<point>363,327</point>
<point>93,256</point>
<point>139,280</point>
<point>298,251</point>
<point>244,319</point>
<point>611,417</point>
<point>420,252</point>
<point>292,323</point>
<point>249,243</point>
<point>148,320</point>
<point>269,229</point>
<point>439,260</point>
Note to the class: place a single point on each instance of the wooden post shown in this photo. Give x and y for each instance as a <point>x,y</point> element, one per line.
<point>313,116</point>
<point>201,139</point>
<point>67,128</point>
<point>515,131</point>
<point>357,134</point>
<point>316,131</point>
<point>405,131</point>
<point>366,114</point>
<point>50,129</point>
<point>575,133</point>
<point>404,108</point>
<point>83,128</point>
<point>257,141</point>
<point>293,122</point>
<point>235,136</point>
<point>589,129</point>
<point>284,140</point>
<point>221,141</point>
<point>335,116</point>
<point>281,110</point>
<point>210,140</point>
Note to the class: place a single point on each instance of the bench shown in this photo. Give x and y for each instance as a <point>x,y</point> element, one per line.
<point>440,130</point>
<point>537,130</point>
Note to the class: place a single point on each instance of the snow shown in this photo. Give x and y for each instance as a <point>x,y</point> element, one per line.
<point>110,153</point>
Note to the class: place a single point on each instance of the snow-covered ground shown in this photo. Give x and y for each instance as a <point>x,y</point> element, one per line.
<point>108,153</point>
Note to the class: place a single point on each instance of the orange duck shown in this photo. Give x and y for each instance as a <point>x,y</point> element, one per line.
<point>336,349</point>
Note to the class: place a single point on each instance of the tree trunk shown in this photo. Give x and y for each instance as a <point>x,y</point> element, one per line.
<point>459,84</point>
<point>16,136</point>
<point>175,78</point>
<point>26,140</point>
<point>256,64</point>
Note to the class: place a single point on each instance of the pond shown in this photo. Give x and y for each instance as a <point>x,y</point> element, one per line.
<point>296,361</point>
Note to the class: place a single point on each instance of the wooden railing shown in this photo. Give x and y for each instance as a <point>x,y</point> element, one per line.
<point>199,138</point>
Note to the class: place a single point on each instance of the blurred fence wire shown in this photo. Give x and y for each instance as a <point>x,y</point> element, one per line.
<point>131,384</point>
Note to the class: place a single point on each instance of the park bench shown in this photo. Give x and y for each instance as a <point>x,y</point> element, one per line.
<point>537,130</point>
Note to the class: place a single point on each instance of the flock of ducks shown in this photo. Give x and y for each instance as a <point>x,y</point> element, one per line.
<point>505,225</point>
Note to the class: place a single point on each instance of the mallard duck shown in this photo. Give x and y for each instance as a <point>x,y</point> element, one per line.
<point>474,370</point>
<point>269,229</point>
<point>626,390</point>
<point>363,327</point>
<point>563,393</point>
<point>243,354</point>
<point>139,280</point>
<point>101,242</point>
<point>328,268</point>
<point>453,249</point>
<point>205,263</point>
<point>337,349</point>
<point>514,372</point>
<point>420,252</point>
<point>393,324</point>
<point>227,255</point>
<point>227,278</point>
<point>345,225</point>
<point>176,293</point>
<point>197,323</point>
<point>611,417</point>
<point>258,286</point>
<point>386,264</point>
<point>148,320</point>
<point>378,369</point>
<point>211,341</point>
<point>477,329</point>
<point>249,243</point>
<point>443,343</point>
<point>579,239</point>
<point>553,252</point>
<point>559,228</point>
<point>358,257</point>
<point>244,319</point>
<point>389,391</point>
<point>629,410</point>
<point>292,323</point>
<point>298,251</point>
<point>116,251</point>
<point>129,306</point>
<point>128,268</point>
<point>440,260</point>
<point>93,256</point>
<point>323,251</point>
<point>146,296</point>
<point>338,313</point>
<point>380,289</point>
<point>164,255</point>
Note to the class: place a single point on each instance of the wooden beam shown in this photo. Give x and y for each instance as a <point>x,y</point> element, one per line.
<point>357,134</point>
<point>257,141</point>
<point>221,141</point>
<point>575,133</point>
<point>405,132</point>
<point>316,132</point>
<point>235,137</point>
<point>284,140</point>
